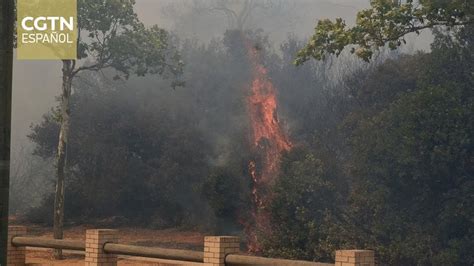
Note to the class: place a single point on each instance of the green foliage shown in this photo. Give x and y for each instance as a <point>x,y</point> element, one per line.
<point>225,188</point>
<point>155,148</point>
<point>305,200</point>
<point>405,151</point>
<point>128,160</point>
<point>386,22</point>
<point>413,169</point>
<point>221,189</point>
<point>113,37</point>
<point>414,158</point>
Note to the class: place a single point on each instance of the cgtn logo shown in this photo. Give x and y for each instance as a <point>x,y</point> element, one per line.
<point>47,30</point>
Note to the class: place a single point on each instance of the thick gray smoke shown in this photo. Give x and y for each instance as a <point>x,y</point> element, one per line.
<point>36,84</point>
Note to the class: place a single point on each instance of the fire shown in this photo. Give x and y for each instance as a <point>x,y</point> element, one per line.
<point>268,141</point>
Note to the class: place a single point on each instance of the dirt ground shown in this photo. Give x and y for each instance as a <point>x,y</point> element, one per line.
<point>37,257</point>
<point>169,238</point>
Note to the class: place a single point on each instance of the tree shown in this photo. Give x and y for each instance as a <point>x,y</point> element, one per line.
<point>386,22</point>
<point>151,146</point>
<point>223,189</point>
<point>237,12</point>
<point>414,178</point>
<point>125,153</point>
<point>6,65</point>
<point>303,208</point>
<point>110,36</point>
<point>413,173</point>
<point>404,159</point>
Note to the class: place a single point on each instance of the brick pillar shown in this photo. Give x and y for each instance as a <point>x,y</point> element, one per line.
<point>217,247</point>
<point>355,258</point>
<point>95,240</point>
<point>16,256</point>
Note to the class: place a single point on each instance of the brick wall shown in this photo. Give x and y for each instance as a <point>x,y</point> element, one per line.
<point>15,255</point>
<point>95,240</point>
<point>217,247</point>
<point>355,258</point>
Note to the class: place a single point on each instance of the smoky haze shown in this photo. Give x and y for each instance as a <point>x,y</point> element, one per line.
<point>207,127</point>
<point>36,84</point>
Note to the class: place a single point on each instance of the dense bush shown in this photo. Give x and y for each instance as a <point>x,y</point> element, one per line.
<point>143,152</point>
<point>306,199</point>
<point>407,139</point>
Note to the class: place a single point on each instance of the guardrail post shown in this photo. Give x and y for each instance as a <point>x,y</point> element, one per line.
<point>16,256</point>
<point>355,258</point>
<point>217,247</point>
<point>95,240</point>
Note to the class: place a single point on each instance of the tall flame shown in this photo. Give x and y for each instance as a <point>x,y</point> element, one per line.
<point>268,142</point>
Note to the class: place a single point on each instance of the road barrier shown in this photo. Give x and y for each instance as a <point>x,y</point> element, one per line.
<point>20,241</point>
<point>101,248</point>
<point>159,253</point>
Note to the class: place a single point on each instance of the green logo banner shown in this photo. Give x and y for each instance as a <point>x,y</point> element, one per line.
<point>46,29</point>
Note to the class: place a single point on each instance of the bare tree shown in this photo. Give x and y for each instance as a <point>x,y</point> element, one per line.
<point>237,12</point>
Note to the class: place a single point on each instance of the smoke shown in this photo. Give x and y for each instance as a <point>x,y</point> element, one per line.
<point>199,28</point>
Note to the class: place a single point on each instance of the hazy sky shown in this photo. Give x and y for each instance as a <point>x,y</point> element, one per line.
<point>36,83</point>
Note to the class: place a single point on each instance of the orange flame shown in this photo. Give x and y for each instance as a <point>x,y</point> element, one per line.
<point>269,141</point>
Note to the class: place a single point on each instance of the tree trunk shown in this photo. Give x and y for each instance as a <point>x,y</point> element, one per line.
<point>61,155</point>
<point>6,57</point>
